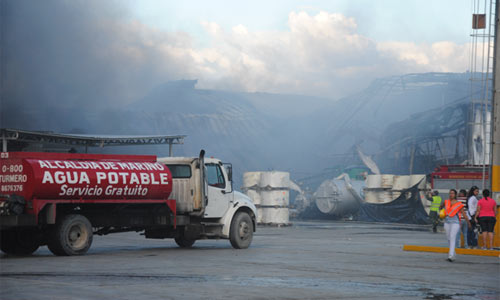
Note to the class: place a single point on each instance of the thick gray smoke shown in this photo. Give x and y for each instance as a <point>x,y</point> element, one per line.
<point>61,58</point>
<point>88,67</point>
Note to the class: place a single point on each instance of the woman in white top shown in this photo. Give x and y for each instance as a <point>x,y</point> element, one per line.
<point>471,211</point>
<point>454,213</point>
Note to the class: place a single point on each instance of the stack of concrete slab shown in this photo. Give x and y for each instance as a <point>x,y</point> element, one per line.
<point>270,193</point>
<point>384,188</point>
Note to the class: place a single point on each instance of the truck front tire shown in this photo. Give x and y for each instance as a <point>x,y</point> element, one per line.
<point>72,235</point>
<point>19,241</point>
<point>241,231</point>
<point>184,242</point>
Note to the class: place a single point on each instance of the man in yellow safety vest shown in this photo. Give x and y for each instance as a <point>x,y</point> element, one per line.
<point>434,211</point>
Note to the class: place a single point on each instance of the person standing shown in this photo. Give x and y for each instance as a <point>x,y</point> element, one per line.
<point>434,210</point>
<point>454,210</point>
<point>487,212</point>
<point>471,209</point>
<point>462,197</point>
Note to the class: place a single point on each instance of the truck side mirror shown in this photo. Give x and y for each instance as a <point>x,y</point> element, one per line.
<point>203,179</point>
<point>230,173</point>
<point>229,169</point>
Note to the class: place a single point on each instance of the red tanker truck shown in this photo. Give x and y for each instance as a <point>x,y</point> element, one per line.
<point>61,200</point>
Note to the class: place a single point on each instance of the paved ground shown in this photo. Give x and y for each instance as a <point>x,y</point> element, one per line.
<point>310,260</point>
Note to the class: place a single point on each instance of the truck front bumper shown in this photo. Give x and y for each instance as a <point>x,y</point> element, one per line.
<point>15,221</point>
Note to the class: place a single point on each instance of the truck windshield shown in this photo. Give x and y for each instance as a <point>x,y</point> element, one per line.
<point>215,177</point>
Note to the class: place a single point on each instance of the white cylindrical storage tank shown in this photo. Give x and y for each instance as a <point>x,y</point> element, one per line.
<point>275,198</point>
<point>251,179</point>
<point>371,196</point>
<point>254,196</point>
<point>301,202</point>
<point>326,205</point>
<point>358,186</point>
<point>274,207</point>
<point>387,181</point>
<point>274,179</point>
<point>401,182</point>
<point>426,203</point>
<point>384,196</point>
<point>416,178</point>
<point>373,181</point>
<point>259,215</point>
<point>334,198</point>
<point>427,186</point>
<point>275,216</point>
<point>423,183</point>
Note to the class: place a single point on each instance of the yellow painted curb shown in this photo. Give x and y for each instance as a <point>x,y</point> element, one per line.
<point>479,252</point>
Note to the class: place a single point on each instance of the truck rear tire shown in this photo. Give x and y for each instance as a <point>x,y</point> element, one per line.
<point>19,241</point>
<point>241,231</point>
<point>72,235</point>
<point>184,242</point>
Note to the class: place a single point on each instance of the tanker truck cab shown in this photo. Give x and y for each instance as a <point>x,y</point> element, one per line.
<point>207,205</point>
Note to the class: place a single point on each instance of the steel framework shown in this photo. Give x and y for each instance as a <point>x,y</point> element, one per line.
<point>482,62</point>
<point>33,137</point>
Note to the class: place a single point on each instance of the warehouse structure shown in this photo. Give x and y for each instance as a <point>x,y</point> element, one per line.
<point>24,140</point>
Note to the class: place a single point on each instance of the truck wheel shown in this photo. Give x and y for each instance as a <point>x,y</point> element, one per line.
<point>72,235</point>
<point>241,232</point>
<point>19,242</point>
<point>184,242</point>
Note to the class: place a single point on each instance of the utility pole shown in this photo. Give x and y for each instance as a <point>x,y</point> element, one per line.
<point>495,118</point>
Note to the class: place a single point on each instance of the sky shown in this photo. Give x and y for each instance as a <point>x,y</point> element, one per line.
<point>383,20</point>
<point>313,47</point>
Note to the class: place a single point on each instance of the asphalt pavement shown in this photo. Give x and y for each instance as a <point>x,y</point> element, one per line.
<point>309,260</point>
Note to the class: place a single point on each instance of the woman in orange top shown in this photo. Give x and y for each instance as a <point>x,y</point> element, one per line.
<point>454,209</point>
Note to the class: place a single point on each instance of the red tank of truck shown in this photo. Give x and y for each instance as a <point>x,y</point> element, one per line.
<point>84,177</point>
